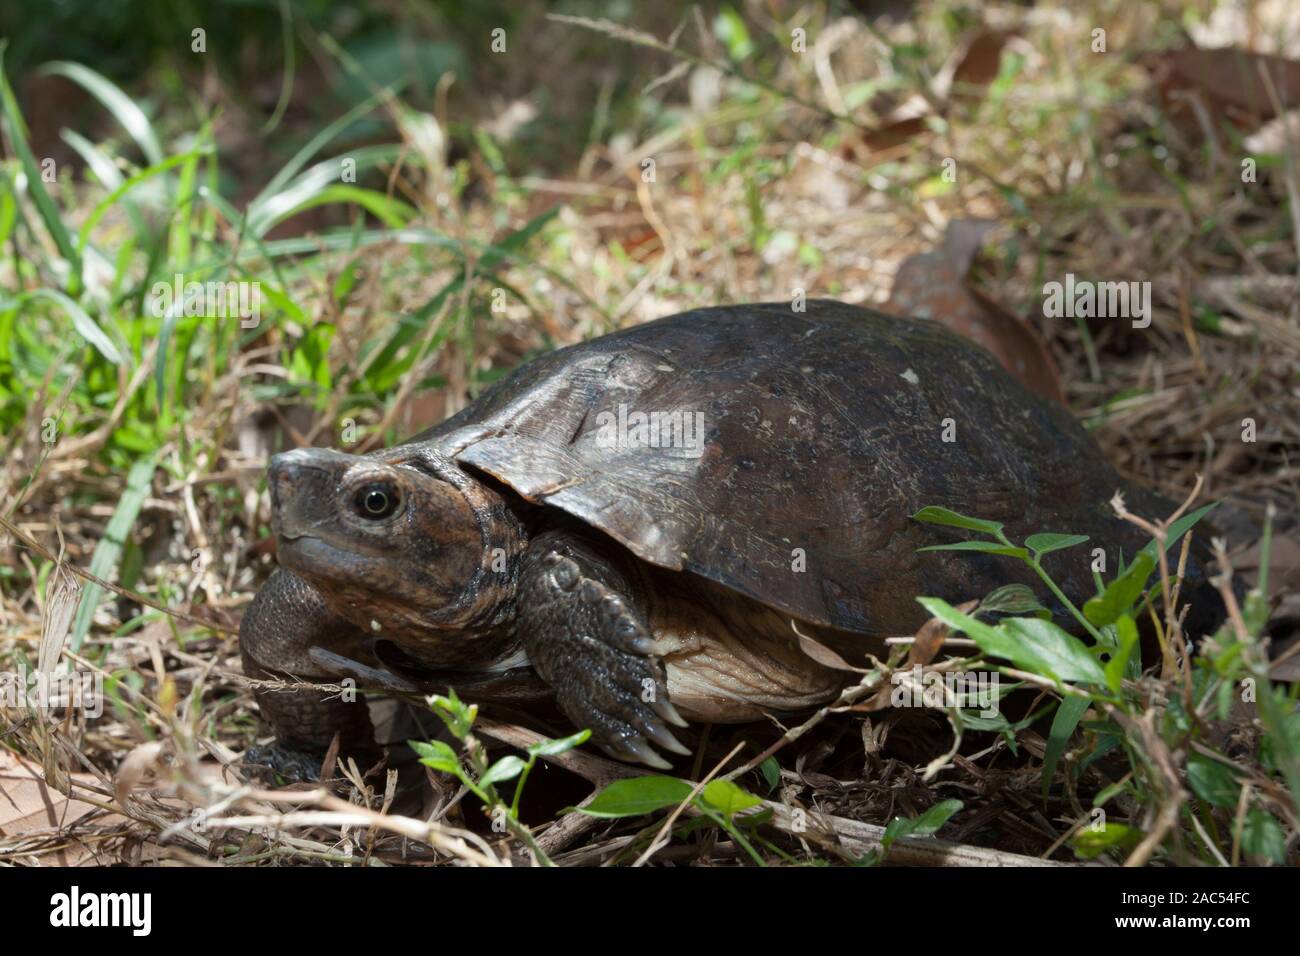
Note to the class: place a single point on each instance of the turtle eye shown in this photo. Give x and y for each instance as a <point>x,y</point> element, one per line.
<point>377,501</point>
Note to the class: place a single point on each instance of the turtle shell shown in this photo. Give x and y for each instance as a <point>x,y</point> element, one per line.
<point>823,432</point>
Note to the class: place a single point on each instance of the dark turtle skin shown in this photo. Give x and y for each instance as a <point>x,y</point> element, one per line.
<point>528,546</point>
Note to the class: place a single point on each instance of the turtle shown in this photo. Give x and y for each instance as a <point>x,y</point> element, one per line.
<point>646,527</point>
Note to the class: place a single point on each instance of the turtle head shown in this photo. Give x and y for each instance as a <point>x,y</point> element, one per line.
<point>409,546</point>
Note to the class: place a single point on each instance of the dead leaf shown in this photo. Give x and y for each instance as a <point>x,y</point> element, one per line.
<point>932,285</point>
<point>978,62</point>
<point>822,654</point>
<point>963,78</point>
<point>61,595</point>
<point>1287,668</point>
<point>137,765</point>
<point>1226,84</point>
<point>929,641</point>
<point>1274,135</point>
<point>1283,565</point>
<point>29,805</point>
<point>925,647</point>
<point>893,134</point>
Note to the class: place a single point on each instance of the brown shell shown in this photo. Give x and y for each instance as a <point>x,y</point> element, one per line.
<point>824,433</point>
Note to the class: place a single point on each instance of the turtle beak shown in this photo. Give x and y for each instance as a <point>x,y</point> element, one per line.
<point>302,484</point>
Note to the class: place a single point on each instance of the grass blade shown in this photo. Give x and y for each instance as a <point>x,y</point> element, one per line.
<point>1067,718</point>
<point>81,321</point>
<point>17,128</point>
<point>121,106</point>
<point>108,553</point>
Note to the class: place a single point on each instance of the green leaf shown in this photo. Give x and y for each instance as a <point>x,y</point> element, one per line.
<point>638,796</point>
<point>1089,843</point>
<point>384,370</point>
<point>989,638</point>
<point>318,142</point>
<point>771,771</point>
<point>1261,835</point>
<point>1042,544</point>
<point>110,201</point>
<point>987,547</point>
<point>100,163</point>
<point>1031,644</point>
<point>1213,782</point>
<point>17,127</point>
<point>391,212</point>
<point>1012,599</point>
<point>1119,657</point>
<point>729,27</point>
<point>1179,528</point>
<point>971,719</point>
<point>270,208</point>
<point>729,798</point>
<point>108,552</point>
<point>436,754</point>
<point>86,327</point>
<point>496,253</point>
<point>1067,718</point>
<point>924,825</point>
<point>507,768</point>
<point>1059,653</point>
<point>935,515</point>
<point>1121,594</point>
<point>457,715</point>
<point>182,214</point>
<point>549,748</point>
<point>121,106</point>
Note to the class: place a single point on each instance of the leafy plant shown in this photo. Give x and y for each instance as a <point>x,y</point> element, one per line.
<point>1162,723</point>
<point>481,777</point>
<point>721,801</point>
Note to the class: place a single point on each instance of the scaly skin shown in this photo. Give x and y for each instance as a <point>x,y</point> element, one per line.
<point>285,620</point>
<point>586,634</point>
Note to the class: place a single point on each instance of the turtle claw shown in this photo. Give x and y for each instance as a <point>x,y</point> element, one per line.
<point>664,738</point>
<point>637,749</point>
<point>587,638</point>
<point>665,709</point>
<point>276,763</point>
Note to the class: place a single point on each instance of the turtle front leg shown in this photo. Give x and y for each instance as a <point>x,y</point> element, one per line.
<point>586,636</point>
<point>285,621</point>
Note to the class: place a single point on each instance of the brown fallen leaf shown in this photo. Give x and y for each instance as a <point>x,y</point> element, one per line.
<point>1283,565</point>
<point>932,285</point>
<point>963,78</point>
<point>138,765</point>
<point>1224,86</point>
<point>893,133</point>
<point>930,638</point>
<point>30,806</point>
<point>976,65</point>
<point>822,654</point>
<point>1284,594</point>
